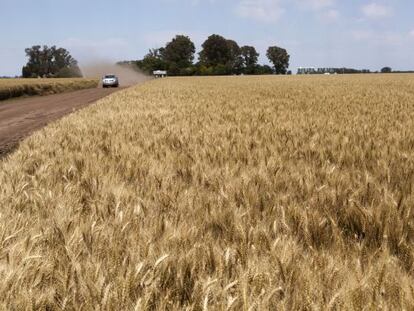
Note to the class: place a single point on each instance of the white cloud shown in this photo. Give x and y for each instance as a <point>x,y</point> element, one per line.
<point>360,35</point>
<point>378,38</point>
<point>316,4</point>
<point>268,11</point>
<point>411,33</point>
<point>197,2</point>
<point>324,10</point>
<point>330,15</point>
<point>376,10</point>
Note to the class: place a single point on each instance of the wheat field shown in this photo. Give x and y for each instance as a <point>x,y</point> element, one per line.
<point>218,193</point>
<point>10,88</point>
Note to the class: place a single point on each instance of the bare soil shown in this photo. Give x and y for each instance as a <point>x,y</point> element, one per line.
<point>21,117</point>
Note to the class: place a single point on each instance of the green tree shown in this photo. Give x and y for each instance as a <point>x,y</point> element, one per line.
<point>50,62</point>
<point>386,70</point>
<point>153,60</point>
<point>236,61</point>
<point>216,51</point>
<point>204,70</point>
<point>280,59</point>
<point>222,70</point>
<point>179,54</point>
<point>63,61</point>
<point>69,72</point>
<point>263,70</point>
<point>249,55</point>
<point>249,58</point>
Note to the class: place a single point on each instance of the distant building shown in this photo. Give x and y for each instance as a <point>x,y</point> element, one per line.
<point>159,73</point>
<point>313,70</point>
<point>306,70</point>
<point>328,70</point>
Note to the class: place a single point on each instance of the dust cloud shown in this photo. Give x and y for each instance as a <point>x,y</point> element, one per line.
<point>127,75</point>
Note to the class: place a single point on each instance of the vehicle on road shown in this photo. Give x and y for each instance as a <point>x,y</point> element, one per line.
<point>159,73</point>
<point>110,81</point>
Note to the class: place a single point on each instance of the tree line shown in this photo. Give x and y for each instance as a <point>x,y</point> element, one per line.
<point>219,56</point>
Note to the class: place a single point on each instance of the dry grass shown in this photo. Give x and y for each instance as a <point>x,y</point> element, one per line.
<point>241,193</point>
<point>10,88</point>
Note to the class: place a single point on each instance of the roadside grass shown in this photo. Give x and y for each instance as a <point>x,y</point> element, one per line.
<point>219,193</point>
<point>10,88</point>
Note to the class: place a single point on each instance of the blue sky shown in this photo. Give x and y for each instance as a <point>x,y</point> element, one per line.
<point>320,33</point>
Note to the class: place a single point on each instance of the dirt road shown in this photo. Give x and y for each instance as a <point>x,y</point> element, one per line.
<point>20,117</point>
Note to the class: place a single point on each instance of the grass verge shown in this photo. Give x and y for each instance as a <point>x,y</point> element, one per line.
<point>10,88</point>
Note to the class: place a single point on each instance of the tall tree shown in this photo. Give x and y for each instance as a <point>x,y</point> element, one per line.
<point>180,51</point>
<point>216,51</point>
<point>386,70</point>
<point>34,65</point>
<point>50,62</point>
<point>236,61</point>
<point>250,57</point>
<point>61,59</point>
<point>280,59</point>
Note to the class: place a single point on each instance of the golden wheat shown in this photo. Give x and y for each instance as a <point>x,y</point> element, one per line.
<point>232,193</point>
<point>10,88</point>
